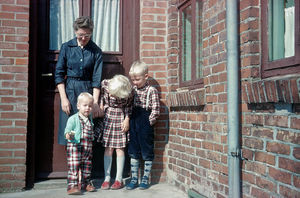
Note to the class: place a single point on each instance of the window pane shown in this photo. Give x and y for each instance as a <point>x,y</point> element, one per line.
<point>106,17</point>
<point>62,15</point>
<point>199,39</point>
<point>281,29</point>
<point>187,44</point>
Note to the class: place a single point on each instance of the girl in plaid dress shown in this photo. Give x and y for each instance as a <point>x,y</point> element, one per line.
<point>116,96</point>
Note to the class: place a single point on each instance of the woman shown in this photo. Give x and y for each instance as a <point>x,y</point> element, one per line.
<point>78,69</point>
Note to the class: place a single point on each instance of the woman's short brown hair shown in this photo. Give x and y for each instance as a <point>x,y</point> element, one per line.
<point>83,22</point>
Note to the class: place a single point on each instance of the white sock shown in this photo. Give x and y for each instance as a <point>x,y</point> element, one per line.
<point>120,166</point>
<point>107,167</point>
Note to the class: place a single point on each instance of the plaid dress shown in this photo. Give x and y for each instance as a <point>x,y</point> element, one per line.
<point>116,110</point>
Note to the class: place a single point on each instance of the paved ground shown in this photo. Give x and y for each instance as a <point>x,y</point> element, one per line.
<point>56,189</point>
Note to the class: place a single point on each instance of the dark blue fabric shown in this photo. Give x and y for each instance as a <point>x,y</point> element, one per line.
<point>83,68</point>
<point>84,64</point>
<point>141,142</point>
<point>73,89</point>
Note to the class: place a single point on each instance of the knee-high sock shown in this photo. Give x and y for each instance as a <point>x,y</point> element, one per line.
<point>120,166</point>
<point>134,164</point>
<point>147,168</point>
<point>107,167</point>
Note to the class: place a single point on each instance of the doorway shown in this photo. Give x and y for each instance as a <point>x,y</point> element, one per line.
<point>47,157</point>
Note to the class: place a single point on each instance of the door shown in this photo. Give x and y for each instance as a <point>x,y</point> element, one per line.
<point>50,157</point>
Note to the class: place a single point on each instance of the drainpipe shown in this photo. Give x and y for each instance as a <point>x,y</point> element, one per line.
<point>233,102</point>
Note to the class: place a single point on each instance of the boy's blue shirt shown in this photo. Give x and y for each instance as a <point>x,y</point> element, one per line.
<point>73,124</point>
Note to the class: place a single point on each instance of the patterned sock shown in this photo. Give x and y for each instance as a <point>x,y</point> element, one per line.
<point>120,166</point>
<point>134,163</point>
<point>147,170</point>
<point>107,167</point>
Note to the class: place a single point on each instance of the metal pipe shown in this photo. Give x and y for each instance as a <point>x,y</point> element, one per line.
<point>233,120</point>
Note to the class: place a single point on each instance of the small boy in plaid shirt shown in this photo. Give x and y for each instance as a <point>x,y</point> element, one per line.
<point>79,133</point>
<point>146,110</point>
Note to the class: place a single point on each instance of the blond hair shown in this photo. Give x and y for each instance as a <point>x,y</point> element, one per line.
<point>138,68</point>
<point>84,95</point>
<point>119,86</point>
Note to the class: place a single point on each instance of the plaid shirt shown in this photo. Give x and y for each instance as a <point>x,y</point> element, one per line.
<point>140,100</point>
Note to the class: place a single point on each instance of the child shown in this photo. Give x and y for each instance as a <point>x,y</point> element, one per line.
<point>79,133</point>
<point>144,115</point>
<point>116,95</point>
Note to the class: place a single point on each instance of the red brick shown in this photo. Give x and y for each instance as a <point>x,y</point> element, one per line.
<point>153,10</point>
<point>278,148</point>
<point>265,158</point>
<point>256,192</point>
<point>7,77</point>
<point>265,184</point>
<point>15,8</point>
<point>14,54</point>
<point>7,30</point>
<point>280,176</point>
<point>14,23</point>
<point>287,192</point>
<point>288,136</point>
<point>6,45</point>
<point>7,2</point>
<point>14,69</point>
<point>253,143</point>
<point>289,165</point>
<point>294,91</point>
<point>22,16</point>
<point>263,133</point>
<point>296,152</point>
<point>6,61</point>
<point>15,84</point>
<point>295,123</point>
<point>296,182</point>
<point>279,121</point>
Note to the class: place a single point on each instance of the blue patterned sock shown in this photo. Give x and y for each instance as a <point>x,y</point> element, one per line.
<point>134,163</point>
<point>147,170</point>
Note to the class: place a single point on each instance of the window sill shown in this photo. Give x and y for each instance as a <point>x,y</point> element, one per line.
<point>273,90</point>
<point>186,98</point>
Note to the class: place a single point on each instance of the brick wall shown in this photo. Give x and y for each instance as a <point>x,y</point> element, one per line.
<point>153,44</point>
<point>14,36</point>
<point>197,144</point>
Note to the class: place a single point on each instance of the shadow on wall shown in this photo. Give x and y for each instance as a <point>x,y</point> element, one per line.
<point>161,137</point>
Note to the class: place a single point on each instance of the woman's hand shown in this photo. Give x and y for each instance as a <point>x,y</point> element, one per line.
<point>65,105</point>
<point>97,111</point>
<point>125,125</point>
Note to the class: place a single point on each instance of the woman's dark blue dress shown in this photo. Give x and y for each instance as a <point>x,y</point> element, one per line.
<point>81,70</point>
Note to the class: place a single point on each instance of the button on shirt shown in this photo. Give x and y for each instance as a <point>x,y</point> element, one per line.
<point>85,63</point>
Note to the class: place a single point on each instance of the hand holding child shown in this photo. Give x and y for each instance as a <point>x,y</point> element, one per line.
<point>125,125</point>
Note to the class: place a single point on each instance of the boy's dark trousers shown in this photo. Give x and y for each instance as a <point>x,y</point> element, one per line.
<point>141,142</point>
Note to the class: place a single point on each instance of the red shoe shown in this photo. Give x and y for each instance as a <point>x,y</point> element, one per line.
<point>105,185</point>
<point>117,185</point>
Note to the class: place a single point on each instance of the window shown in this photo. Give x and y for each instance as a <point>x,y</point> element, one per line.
<point>105,14</point>
<point>190,13</point>
<point>280,49</point>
